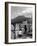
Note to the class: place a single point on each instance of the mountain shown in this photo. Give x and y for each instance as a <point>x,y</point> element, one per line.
<point>18,19</point>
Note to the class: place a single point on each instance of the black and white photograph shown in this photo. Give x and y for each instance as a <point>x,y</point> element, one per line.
<point>21,22</point>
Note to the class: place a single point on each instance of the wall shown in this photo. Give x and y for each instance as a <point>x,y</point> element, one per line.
<point>2,23</point>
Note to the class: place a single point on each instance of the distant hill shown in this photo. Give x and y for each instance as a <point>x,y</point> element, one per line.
<point>20,19</point>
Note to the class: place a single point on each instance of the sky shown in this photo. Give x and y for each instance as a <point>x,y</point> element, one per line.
<point>21,11</point>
